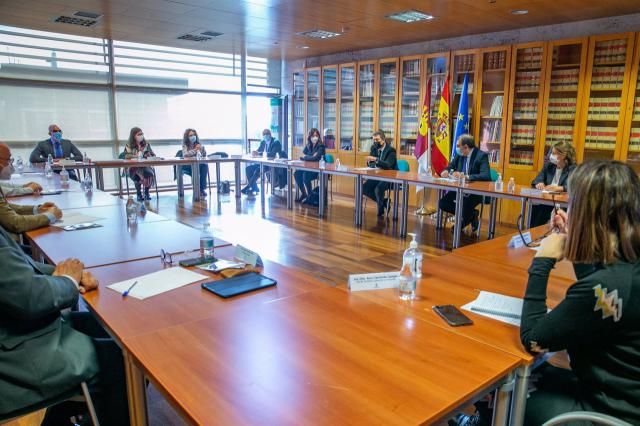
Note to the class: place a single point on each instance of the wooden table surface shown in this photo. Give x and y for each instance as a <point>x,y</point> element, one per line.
<point>115,242</point>
<point>132,317</point>
<point>75,199</point>
<point>497,251</point>
<point>321,357</point>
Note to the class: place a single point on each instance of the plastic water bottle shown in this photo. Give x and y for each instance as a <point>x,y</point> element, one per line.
<point>85,158</point>
<point>132,211</point>
<point>411,270</point>
<point>206,241</point>
<point>64,177</point>
<point>87,184</point>
<point>19,165</point>
<point>499,185</point>
<point>264,154</point>
<point>511,186</point>
<point>198,155</point>
<point>337,164</point>
<point>322,163</point>
<point>50,159</point>
<point>48,170</point>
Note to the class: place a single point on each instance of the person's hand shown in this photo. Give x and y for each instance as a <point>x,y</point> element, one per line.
<point>444,174</point>
<point>370,158</point>
<point>88,282</point>
<point>33,186</point>
<point>560,221</point>
<point>552,246</point>
<point>70,267</point>
<point>539,185</point>
<point>45,206</point>
<point>457,175</point>
<point>302,158</point>
<point>55,211</point>
<point>554,188</point>
<point>254,153</point>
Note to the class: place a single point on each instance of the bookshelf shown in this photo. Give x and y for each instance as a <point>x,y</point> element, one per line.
<point>525,105</point>
<point>366,105</point>
<point>388,99</point>
<point>602,118</point>
<point>493,88</point>
<point>347,103</point>
<point>463,63</point>
<point>329,105</point>
<point>313,99</point>
<point>298,131</point>
<point>410,104</point>
<point>631,140</point>
<point>566,63</point>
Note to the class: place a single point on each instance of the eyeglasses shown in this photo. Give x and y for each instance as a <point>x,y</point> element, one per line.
<point>536,242</point>
<point>166,257</point>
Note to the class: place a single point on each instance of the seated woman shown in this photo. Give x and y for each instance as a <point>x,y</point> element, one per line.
<point>598,322</point>
<point>553,177</point>
<point>190,147</point>
<point>313,151</point>
<point>142,177</point>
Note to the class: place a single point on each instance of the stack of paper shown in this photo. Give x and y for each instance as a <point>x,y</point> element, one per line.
<point>72,217</point>
<point>497,306</point>
<point>157,282</point>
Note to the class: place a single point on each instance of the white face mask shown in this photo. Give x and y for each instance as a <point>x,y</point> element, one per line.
<point>193,138</point>
<point>553,158</point>
<point>314,139</point>
<point>139,138</point>
<point>6,172</point>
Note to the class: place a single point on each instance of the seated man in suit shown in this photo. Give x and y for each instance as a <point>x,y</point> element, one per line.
<point>46,353</point>
<point>18,219</point>
<point>271,147</point>
<point>382,156</point>
<point>471,164</point>
<point>57,148</point>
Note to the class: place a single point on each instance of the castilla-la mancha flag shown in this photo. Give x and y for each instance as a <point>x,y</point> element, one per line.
<point>423,140</point>
<point>441,148</point>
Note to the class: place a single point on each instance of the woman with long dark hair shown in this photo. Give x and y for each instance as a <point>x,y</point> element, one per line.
<point>142,177</point>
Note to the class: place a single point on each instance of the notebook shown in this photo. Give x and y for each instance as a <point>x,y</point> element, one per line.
<point>238,284</point>
<point>497,306</point>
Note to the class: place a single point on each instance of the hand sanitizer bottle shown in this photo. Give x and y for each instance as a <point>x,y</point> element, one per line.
<point>499,185</point>
<point>511,186</point>
<point>64,177</point>
<point>337,164</point>
<point>411,270</point>
<point>322,163</point>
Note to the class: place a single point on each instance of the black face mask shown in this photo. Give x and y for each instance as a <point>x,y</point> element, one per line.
<point>377,144</point>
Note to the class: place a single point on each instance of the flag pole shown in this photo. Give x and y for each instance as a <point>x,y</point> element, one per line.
<point>423,211</point>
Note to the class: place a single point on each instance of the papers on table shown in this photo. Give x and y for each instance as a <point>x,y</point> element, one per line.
<point>157,282</point>
<point>365,168</point>
<point>497,306</point>
<point>74,218</point>
<point>221,265</point>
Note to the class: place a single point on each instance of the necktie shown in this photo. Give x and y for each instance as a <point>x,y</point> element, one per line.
<point>57,150</point>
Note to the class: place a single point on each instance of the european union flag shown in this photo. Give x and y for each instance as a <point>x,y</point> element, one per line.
<point>462,119</point>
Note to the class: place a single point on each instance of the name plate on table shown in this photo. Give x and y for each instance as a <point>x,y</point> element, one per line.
<point>379,280</point>
<point>516,240</point>
<point>66,162</point>
<point>247,256</point>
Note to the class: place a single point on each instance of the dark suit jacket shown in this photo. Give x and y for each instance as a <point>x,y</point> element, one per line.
<point>41,355</point>
<point>386,158</point>
<point>313,153</point>
<point>478,165</point>
<point>274,147</point>
<point>44,148</point>
<point>548,172</point>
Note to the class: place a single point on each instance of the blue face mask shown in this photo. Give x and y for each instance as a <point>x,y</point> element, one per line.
<point>459,151</point>
<point>57,136</point>
<point>193,138</point>
<point>267,138</point>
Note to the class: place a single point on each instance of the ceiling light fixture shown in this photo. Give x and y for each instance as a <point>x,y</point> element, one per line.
<point>321,34</point>
<point>409,16</point>
<point>519,11</point>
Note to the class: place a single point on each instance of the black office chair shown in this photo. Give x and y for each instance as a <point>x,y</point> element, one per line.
<point>585,416</point>
<point>126,176</point>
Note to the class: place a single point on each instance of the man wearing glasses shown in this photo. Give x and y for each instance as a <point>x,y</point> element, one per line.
<point>57,148</point>
<point>17,219</point>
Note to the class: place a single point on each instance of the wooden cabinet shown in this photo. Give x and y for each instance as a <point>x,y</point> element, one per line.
<point>410,104</point>
<point>329,107</point>
<point>346,118</point>
<point>312,120</point>
<point>387,99</point>
<point>493,92</point>
<point>603,108</point>
<point>298,129</point>
<point>464,64</point>
<point>631,140</point>
<point>366,118</point>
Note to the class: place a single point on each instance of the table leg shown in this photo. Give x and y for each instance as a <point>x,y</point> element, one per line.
<point>180,183</point>
<point>136,392</point>
<point>502,401</point>
<point>492,218</point>
<point>321,185</point>
<point>405,209</point>
<point>527,217</point>
<point>262,185</point>
<point>217,175</point>
<point>395,201</point>
<point>439,212</point>
<point>457,230</point>
<point>100,179</point>
<point>519,400</point>
<point>195,180</point>
<point>289,188</point>
<point>358,194</point>
<point>237,176</point>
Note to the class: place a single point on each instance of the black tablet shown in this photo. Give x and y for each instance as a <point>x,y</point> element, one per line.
<point>238,284</point>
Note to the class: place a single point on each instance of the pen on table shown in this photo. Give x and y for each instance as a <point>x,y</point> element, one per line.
<point>126,292</point>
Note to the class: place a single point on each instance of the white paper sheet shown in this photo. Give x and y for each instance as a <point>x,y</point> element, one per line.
<point>157,282</point>
<point>73,218</point>
<point>365,168</point>
<point>497,306</point>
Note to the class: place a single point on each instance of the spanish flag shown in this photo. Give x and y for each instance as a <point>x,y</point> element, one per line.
<point>441,148</point>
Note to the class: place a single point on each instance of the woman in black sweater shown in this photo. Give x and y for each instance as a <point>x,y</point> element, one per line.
<point>313,151</point>
<point>553,177</point>
<point>598,322</point>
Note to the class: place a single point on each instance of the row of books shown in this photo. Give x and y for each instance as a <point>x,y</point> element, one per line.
<point>494,155</point>
<point>411,68</point>
<point>346,109</point>
<point>521,157</point>
<point>365,142</point>
<point>298,108</point>
<point>464,63</point>
<point>527,80</point>
<point>496,106</point>
<point>610,51</point>
<point>600,138</point>
<point>634,141</point>
<point>525,108</point>
<point>388,86</point>
<point>410,86</point>
<point>495,60</point>
<point>604,109</point>
<point>458,89</point>
<point>558,133</point>
<point>409,134</point>
<point>313,89</point>
<point>491,131</point>
<point>564,79</point>
<point>366,89</point>
<point>607,77</point>
<point>523,134</point>
<point>529,58</point>
<point>387,108</point>
<point>636,109</point>
<point>562,108</point>
<point>329,109</point>
<point>412,109</point>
